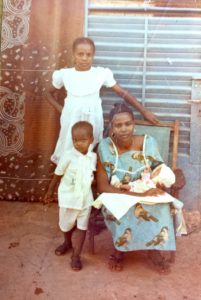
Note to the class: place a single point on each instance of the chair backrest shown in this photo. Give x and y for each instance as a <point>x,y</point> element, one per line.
<point>162,134</point>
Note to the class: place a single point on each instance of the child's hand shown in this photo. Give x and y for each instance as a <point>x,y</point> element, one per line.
<point>149,116</point>
<point>48,198</point>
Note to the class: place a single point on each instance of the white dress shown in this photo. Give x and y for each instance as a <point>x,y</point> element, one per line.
<point>83,102</point>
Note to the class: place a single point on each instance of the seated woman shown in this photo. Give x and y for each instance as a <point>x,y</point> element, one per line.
<point>144,227</point>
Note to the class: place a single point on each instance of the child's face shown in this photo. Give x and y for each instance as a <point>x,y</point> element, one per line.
<point>83,57</point>
<point>81,140</point>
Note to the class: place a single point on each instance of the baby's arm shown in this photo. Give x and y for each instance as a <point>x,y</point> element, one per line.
<point>125,187</point>
<point>134,102</point>
<point>49,194</point>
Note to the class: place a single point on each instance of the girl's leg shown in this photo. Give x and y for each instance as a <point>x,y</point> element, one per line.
<point>67,244</point>
<point>76,264</point>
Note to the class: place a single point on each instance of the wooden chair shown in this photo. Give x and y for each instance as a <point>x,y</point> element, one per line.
<point>167,137</point>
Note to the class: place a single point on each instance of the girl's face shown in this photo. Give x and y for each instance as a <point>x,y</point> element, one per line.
<point>83,57</point>
<point>123,126</point>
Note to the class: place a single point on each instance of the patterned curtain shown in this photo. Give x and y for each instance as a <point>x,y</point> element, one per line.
<point>36,38</point>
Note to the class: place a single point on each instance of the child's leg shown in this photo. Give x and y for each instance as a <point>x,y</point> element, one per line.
<point>82,224</point>
<point>67,226</point>
<point>67,244</point>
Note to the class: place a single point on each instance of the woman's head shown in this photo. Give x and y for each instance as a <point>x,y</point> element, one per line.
<point>83,53</point>
<point>122,123</point>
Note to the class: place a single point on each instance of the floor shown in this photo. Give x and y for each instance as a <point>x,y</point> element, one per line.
<point>30,270</point>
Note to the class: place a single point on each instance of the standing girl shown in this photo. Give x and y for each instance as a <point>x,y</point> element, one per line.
<point>83,103</point>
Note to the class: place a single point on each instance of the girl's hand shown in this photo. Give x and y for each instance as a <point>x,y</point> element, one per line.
<point>154,192</point>
<point>149,116</point>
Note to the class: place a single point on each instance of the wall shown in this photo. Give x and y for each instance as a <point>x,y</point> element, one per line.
<point>153,48</point>
<point>36,39</point>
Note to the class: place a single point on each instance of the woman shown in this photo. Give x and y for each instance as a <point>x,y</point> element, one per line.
<point>125,155</point>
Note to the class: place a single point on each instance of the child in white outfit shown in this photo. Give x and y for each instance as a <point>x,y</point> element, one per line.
<point>74,173</point>
<point>82,84</point>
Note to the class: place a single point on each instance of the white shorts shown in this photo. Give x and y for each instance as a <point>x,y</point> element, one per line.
<point>69,216</point>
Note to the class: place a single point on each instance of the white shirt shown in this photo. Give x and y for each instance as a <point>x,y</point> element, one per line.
<point>75,186</point>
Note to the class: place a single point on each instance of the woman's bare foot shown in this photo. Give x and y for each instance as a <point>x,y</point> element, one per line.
<point>158,262</point>
<point>115,262</point>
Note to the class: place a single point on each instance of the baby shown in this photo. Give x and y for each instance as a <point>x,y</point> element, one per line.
<point>161,175</point>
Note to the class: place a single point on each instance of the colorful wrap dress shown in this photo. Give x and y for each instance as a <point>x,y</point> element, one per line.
<point>144,226</point>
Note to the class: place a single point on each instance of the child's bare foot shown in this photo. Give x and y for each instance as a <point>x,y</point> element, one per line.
<point>62,249</point>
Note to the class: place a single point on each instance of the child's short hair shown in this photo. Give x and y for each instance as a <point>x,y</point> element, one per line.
<point>83,125</point>
<point>83,40</point>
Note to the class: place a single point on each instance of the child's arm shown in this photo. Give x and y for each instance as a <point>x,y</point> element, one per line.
<point>50,96</point>
<point>54,182</point>
<point>134,102</point>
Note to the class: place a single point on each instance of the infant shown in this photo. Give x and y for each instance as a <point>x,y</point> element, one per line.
<point>161,175</point>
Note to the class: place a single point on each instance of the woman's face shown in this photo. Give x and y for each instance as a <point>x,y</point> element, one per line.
<point>83,57</point>
<point>123,126</point>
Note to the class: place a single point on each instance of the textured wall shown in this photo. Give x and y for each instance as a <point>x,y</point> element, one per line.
<point>36,39</point>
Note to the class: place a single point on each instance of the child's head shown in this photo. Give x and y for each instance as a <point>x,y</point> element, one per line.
<point>82,136</point>
<point>83,53</point>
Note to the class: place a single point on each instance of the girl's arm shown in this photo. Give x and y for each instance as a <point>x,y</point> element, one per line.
<point>103,185</point>
<point>134,102</point>
<point>51,95</point>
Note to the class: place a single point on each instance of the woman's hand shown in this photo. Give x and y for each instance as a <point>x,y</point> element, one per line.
<point>154,192</point>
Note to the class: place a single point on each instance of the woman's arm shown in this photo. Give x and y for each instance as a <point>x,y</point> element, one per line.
<point>134,102</point>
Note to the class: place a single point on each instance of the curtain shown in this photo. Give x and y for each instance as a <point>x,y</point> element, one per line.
<point>36,39</point>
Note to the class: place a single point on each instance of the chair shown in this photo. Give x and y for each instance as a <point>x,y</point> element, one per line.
<point>167,136</point>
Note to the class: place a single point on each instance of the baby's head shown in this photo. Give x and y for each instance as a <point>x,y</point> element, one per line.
<point>82,136</point>
<point>163,175</point>
<point>83,53</point>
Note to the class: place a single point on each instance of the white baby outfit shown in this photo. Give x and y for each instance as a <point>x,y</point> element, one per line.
<point>74,193</point>
<point>83,102</point>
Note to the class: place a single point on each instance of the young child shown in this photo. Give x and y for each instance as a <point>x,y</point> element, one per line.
<point>161,175</point>
<point>82,84</point>
<point>74,173</point>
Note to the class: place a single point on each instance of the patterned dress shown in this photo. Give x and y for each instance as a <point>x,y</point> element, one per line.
<point>143,227</point>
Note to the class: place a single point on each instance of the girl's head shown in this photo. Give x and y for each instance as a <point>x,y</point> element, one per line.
<point>122,123</point>
<point>83,53</point>
<point>82,136</point>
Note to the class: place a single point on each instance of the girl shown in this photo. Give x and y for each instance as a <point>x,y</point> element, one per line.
<point>82,84</point>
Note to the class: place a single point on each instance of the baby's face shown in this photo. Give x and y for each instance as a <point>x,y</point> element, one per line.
<point>81,140</point>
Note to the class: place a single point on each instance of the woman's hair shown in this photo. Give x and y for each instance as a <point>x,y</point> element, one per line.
<point>120,108</point>
<point>83,40</point>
